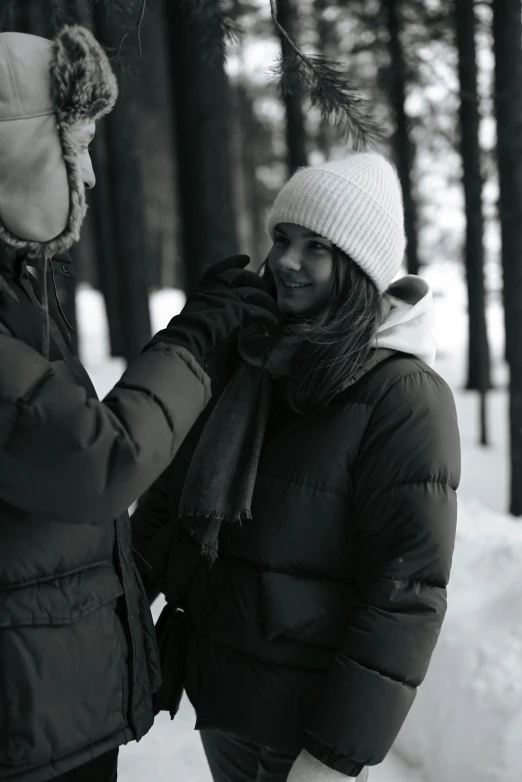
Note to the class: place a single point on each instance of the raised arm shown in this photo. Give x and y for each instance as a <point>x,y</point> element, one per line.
<point>78,460</point>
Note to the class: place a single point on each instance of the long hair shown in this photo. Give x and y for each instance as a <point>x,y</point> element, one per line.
<point>336,344</point>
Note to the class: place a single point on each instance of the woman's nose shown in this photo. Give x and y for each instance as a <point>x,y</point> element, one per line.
<point>290,259</point>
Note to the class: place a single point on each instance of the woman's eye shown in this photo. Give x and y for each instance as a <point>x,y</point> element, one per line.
<point>317,246</point>
<point>280,239</point>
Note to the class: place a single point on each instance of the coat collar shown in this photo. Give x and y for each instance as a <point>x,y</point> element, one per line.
<point>62,265</point>
<point>13,264</point>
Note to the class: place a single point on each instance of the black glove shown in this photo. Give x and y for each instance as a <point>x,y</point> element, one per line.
<point>226,298</point>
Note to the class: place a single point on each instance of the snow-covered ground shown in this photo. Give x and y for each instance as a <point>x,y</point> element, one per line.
<point>466,724</point>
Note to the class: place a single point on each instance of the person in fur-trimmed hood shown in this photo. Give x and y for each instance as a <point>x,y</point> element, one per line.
<point>78,661</point>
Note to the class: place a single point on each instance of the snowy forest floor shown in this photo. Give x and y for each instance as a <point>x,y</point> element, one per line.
<point>172,750</point>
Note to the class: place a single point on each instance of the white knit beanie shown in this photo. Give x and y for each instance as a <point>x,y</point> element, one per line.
<point>356,203</point>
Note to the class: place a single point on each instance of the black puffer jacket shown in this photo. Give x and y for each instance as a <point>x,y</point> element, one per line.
<point>317,623</point>
<point>78,661</point>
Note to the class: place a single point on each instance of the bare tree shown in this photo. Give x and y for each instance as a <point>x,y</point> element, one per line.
<point>196,32</point>
<point>123,167</point>
<point>478,345</point>
<point>402,141</point>
<point>293,98</point>
<point>104,243</point>
<point>249,136</point>
<point>507,36</point>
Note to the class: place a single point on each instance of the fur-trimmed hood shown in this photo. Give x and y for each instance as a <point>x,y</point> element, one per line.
<point>46,87</point>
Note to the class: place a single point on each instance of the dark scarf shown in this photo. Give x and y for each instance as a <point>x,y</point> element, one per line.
<point>220,482</point>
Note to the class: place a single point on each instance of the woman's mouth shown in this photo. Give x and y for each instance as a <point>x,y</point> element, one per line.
<point>290,284</point>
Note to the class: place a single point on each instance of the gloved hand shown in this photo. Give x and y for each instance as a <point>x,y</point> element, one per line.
<point>226,298</point>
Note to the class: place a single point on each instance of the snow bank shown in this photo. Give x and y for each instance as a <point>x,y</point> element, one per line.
<point>466,724</point>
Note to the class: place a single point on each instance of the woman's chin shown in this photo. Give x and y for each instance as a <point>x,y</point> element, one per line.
<point>285,305</point>
<point>296,309</point>
<point>291,306</point>
<point>292,310</point>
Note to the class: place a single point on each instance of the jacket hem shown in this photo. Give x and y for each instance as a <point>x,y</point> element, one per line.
<point>329,757</point>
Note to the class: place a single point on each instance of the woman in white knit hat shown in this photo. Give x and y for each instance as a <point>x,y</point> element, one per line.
<point>335,445</point>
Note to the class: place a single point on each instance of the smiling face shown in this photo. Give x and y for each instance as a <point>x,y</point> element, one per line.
<point>302,265</point>
<point>83,134</point>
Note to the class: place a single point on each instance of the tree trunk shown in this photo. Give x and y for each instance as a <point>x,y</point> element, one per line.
<point>402,143</point>
<point>478,347</point>
<point>251,160</point>
<point>202,141</point>
<point>105,242</point>
<point>295,121</point>
<point>126,199</point>
<point>327,46</point>
<point>507,35</point>
<point>99,224</point>
<point>32,18</point>
<point>158,170</point>
<point>248,196</point>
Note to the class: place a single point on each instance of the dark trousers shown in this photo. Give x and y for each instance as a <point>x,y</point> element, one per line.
<point>102,769</point>
<point>234,760</point>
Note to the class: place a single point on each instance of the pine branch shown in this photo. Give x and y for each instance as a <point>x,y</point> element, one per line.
<point>217,23</point>
<point>329,89</point>
<point>136,27</point>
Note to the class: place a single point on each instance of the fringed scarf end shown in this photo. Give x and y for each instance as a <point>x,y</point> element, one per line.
<point>208,536</point>
<point>229,518</point>
<point>210,551</point>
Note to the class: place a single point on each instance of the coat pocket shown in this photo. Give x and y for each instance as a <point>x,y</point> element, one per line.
<point>63,665</point>
<point>307,609</point>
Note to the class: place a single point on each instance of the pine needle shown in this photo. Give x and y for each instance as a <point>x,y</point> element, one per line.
<point>329,89</point>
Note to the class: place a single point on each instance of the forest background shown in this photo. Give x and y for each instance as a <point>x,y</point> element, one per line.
<point>221,100</point>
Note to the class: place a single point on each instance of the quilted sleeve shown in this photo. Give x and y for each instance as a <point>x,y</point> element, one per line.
<point>406,477</point>
<point>79,460</point>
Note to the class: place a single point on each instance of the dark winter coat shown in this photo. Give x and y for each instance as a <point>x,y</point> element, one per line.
<point>78,661</point>
<point>317,624</point>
